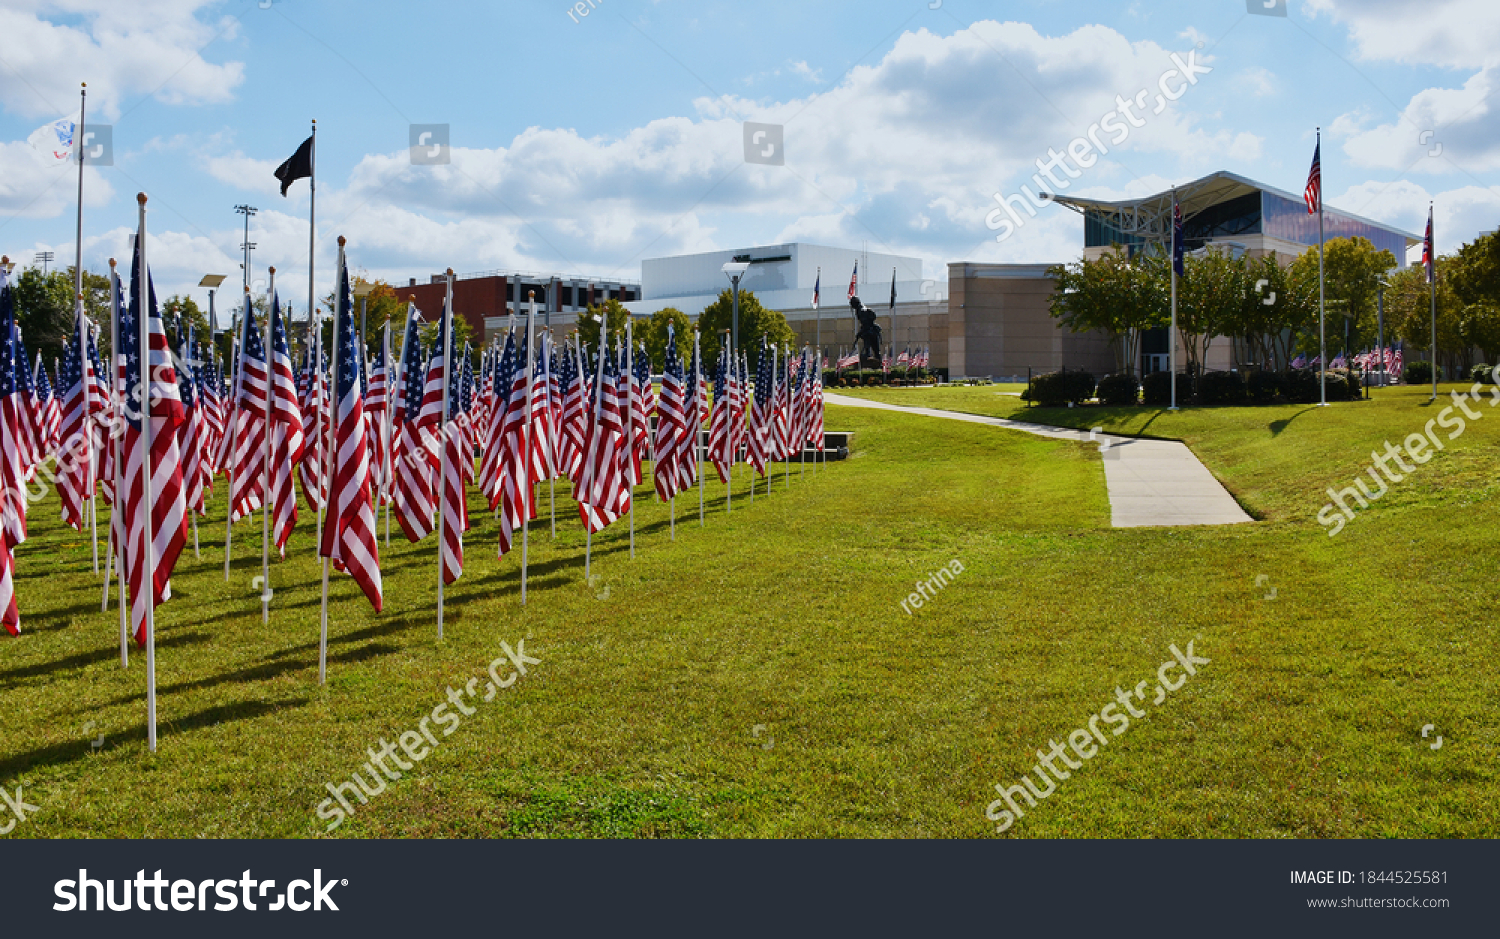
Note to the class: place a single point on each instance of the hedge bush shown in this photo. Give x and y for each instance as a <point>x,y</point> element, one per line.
<point>1156,388</point>
<point>1263,386</point>
<point>1117,390</point>
<point>1300,385</point>
<point>1221,388</point>
<point>1482,373</point>
<point>1058,389</point>
<point>1417,373</point>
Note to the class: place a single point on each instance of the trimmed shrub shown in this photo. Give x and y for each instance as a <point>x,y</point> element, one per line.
<point>1221,388</point>
<point>1058,389</point>
<point>1263,386</point>
<point>1157,390</point>
<point>1117,390</point>
<point>1299,385</point>
<point>1343,385</point>
<point>1482,373</point>
<point>1417,373</point>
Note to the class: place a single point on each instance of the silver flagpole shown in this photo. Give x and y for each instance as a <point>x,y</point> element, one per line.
<point>78,138</point>
<point>147,545</point>
<point>1322,346</point>
<point>388,469</point>
<point>444,340</point>
<point>233,418</point>
<point>698,421</point>
<point>729,367</point>
<point>1431,273</point>
<point>630,459</point>
<point>114,515</point>
<point>1172,333</point>
<point>588,549</point>
<point>330,411</point>
<point>526,442</point>
<point>265,504</point>
<point>556,426</point>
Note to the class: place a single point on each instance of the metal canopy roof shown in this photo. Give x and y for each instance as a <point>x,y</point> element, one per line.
<point>1150,217</point>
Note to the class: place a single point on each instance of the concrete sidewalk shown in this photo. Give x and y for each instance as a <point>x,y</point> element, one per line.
<point>1150,482</point>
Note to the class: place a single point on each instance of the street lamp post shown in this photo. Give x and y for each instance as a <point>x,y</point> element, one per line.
<point>362,290</point>
<point>212,282</point>
<point>1380,326</point>
<point>735,270</point>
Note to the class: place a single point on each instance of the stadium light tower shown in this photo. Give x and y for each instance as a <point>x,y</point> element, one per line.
<point>247,211</point>
<point>45,257</point>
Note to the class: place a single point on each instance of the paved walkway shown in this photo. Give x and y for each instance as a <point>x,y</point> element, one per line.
<point>1151,482</point>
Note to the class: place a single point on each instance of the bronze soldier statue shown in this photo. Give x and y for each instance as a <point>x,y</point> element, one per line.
<point>868,334</point>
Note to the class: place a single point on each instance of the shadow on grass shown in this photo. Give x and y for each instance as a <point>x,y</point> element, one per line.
<point>1277,427</point>
<point>61,753</point>
<point>85,659</point>
<point>261,672</point>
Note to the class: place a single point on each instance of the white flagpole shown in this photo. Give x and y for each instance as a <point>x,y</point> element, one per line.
<point>698,421</point>
<point>526,433</point>
<point>1322,346</point>
<point>1431,273</point>
<point>147,546</point>
<point>729,382</point>
<point>232,418</point>
<point>1172,333</point>
<point>114,515</point>
<point>630,458</point>
<point>445,340</point>
<point>265,504</point>
<point>330,412</point>
<point>78,138</point>
<point>388,469</point>
<point>588,549</point>
<point>556,426</point>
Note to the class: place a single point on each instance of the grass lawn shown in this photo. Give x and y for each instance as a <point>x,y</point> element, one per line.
<point>758,677</point>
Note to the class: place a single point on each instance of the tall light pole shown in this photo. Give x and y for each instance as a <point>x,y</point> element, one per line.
<point>45,257</point>
<point>735,270</point>
<point>246,245</point>
<point>212,282</point>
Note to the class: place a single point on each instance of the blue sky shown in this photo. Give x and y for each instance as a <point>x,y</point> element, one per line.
<point>583,144</point>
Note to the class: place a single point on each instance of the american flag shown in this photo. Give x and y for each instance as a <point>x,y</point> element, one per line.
<point>854,281</point>
<point>31,454</point>
<point>314,390</point>
<point>466,408</point>
<point>780,446</point>
<point>543,423</point>
<point>671,420</point>
<point>1313,194</point>
<point>720,438</point>
<point>450,433</point>
<point>164,521</point>
<point>78,431</point>
<point>12,484</point>
<point>758,447</point>
<point>905,357</point>
<point>247,445</point>
<point>847,361</point>
<point>739,389</point>
<point>1179,248</point>
<point>817,288</point>
<point>517,495</point>
<point>378,408</point>
<point>574,426</point>
<point>190,433</point>
<point>416,500</point>
<point>604,493</point>
<point>287,440</point>
<point>695,396</point>
<point>492,450</point>
<point>631,415</point>
<point>1429,256</point>
<point>815,423</point>
<point>50,412</point>
<point>349,527</point>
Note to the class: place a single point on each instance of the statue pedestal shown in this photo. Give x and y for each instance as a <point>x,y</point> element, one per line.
<point>869,361</point>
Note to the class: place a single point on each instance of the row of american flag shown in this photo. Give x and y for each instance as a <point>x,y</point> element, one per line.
<point>889,359</point>
<point>404,429</point>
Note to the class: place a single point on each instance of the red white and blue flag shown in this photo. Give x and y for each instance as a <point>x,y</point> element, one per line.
<point>12,482</point>
<point>1313,194</point>
<point>1429,256</point>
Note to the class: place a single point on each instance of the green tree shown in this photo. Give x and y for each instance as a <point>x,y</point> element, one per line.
<point>654,333</point>
<point>1408,308</point>
<point>1281,304</point>
<point>613,313</point>
<point>183,306</point>
<point>1352,270</point>
<point>1115,294</point>
<point>756,322</point>
<point>1212,295</point>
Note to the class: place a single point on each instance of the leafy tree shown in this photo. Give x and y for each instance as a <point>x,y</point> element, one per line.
<point>1277,311</point>
<point>1212,296</point>
<point>615,315</point>
<point>1352,270</point>
<point>756,322</point>
<point>1116,295</point>
<point>654,333</point>
<point>1408,308</point>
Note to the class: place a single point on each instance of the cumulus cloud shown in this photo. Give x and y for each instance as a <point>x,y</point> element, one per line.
<point>122,49</point>
<point>1440,130</point>
<point>1448,33</point>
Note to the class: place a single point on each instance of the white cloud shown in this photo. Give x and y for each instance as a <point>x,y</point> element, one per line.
<point>1449,33</point>
<point>1256,80</point>
<point>122,49</point>
<point>808,72</point>
<point>1440,130</point>
<point>32,186</point>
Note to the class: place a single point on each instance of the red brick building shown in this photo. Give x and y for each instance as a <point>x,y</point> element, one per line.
<point>484,300</point>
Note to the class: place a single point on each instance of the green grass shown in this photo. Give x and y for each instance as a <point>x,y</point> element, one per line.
<point>758,677</point>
